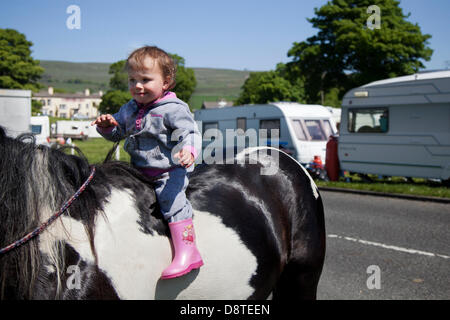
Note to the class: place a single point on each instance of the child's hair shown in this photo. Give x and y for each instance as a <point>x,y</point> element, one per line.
<point>168,67</point>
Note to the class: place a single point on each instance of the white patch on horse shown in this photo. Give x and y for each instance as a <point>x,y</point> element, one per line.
<point>73,232</point>
<point>240,157</point>
<point>134,260</point>
<point>228,265</point>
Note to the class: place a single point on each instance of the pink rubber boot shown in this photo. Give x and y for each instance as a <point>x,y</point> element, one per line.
<point>187,256</point>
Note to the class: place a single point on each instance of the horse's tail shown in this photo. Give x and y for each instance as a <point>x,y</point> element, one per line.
<point>300,276</point>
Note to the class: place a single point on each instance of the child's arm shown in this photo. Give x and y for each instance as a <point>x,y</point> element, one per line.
<point>104,121</point>
<point>108,127</point>
<point>186,157</point>
<point>186,131</point>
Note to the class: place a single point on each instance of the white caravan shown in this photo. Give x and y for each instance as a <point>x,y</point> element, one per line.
<point>303,129</point>
<point>15,111</point>
<point>398,127</point>
<point>40,128</point>
<point>74,129</point>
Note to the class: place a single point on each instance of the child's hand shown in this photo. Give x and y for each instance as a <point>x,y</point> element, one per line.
<point>105,120</point>
<point>186,158</point>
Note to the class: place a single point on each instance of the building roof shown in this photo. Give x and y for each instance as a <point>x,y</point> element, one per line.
<point>425,75</point>
<point>78,95</point>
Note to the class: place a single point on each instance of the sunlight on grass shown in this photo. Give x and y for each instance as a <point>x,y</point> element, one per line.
<point>96,149</point>
<point>419,187</point>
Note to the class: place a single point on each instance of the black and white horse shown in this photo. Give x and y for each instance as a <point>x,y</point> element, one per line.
<point>259,235</point>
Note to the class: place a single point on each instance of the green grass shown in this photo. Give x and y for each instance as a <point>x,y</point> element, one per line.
<point>96,149</point>
<point>219,82</point>
<point>74,77</point>
<point>393,185</point>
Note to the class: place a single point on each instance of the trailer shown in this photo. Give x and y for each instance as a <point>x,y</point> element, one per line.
<point>40,128</point>
<point>302,130</point>
<point>398,127</point>
<point>80,130</point>
<point>15,111</point>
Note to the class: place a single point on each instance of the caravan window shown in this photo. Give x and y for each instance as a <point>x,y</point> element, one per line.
<point>299,132</point>
<point>36,128</point>
<point>210,125</point>
<point>241,123</point>
<point>269,125</point>
<point>327,127</point>
<point>312,130</point>
<point>368,120</point>
<point>315,130</point>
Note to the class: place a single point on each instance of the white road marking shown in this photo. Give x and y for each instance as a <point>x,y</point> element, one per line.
<point>390,247</point>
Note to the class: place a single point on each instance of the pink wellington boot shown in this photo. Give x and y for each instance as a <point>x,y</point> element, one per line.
<point>187,256</point>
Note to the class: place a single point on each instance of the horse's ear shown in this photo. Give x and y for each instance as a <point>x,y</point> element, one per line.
<point>2,132</point>
<point>111,152</point>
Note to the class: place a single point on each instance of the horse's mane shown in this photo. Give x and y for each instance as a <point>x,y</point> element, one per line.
<point>36,179</point>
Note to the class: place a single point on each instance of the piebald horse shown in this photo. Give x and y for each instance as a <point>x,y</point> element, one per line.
<point>260,235</point>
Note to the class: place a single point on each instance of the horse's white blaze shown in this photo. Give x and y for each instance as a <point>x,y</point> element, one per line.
<point>72,232</point>
<point>134,260</point>
<point>240,157</point>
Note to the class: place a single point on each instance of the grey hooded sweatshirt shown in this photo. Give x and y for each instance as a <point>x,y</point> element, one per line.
<point>154,133</point>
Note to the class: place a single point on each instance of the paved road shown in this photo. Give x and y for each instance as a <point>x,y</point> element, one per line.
<point>385,248</point>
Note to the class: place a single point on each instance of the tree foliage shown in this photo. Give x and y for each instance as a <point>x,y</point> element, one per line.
<point>268,86</point>
<point>185,79</point>
<point>18,70</point>
<point>345,53</point>
<point>113,100</point>
<point>119,80</point>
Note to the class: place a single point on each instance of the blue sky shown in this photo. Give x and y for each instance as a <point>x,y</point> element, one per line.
<point>244,34</point>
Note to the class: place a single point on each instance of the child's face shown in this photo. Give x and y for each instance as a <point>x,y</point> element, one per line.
<point>148,84</point>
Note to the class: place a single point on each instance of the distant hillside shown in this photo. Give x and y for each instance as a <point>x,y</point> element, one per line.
<point>75,77</point>
<point>212,84</point>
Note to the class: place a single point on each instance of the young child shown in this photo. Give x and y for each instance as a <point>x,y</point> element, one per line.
<point>162,139</point>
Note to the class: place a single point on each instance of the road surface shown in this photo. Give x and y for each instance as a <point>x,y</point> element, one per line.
<point>382,248</point>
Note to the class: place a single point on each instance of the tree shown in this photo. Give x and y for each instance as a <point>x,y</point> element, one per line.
<point>113,100</point>
<point>119,80</point>
<point>36,107</point>
<point>346,53</point>
<point>18,70</point>
<point>185,79</point>
<point>268,86</point>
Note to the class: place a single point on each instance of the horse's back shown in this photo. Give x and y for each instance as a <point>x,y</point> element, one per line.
<point>278,218</point>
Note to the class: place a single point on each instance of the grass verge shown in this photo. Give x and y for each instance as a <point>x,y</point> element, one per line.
<point>396,185</point>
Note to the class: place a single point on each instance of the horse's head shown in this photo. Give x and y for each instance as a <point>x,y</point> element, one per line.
<point>35,181</point>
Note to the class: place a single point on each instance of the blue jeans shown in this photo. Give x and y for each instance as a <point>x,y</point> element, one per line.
<point>170,191</point>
